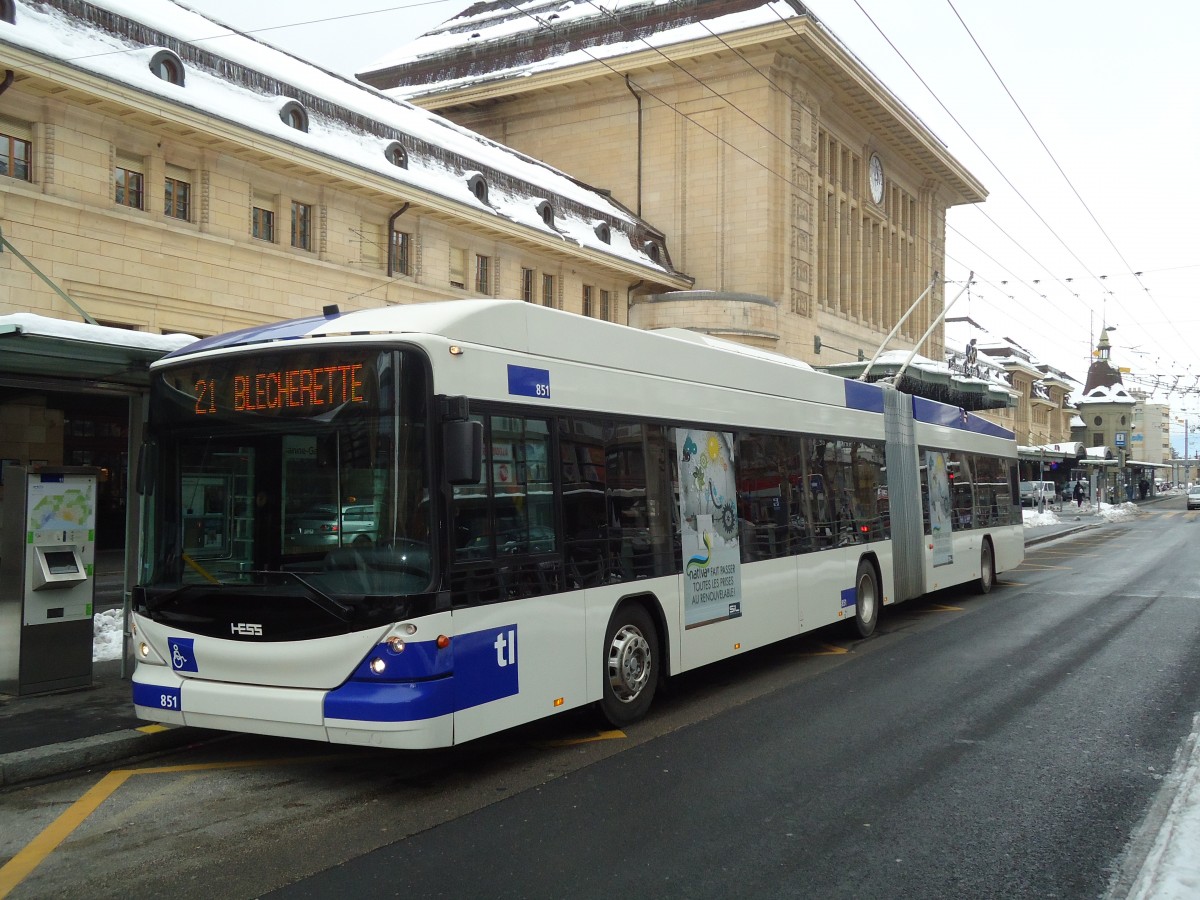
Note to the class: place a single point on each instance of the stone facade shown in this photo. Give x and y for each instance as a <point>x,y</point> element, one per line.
<point>756,164</point>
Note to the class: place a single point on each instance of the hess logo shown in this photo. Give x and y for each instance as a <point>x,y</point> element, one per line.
<point>246,629</point>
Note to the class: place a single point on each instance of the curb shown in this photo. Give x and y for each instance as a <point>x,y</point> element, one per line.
<point>1041,539</point>
<point>37,763</point>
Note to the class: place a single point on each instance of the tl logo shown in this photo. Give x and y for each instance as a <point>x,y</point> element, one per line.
<point>506,648</point>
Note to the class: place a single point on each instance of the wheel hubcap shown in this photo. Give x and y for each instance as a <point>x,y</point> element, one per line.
<point>866,598</point>
<point>629,663</point>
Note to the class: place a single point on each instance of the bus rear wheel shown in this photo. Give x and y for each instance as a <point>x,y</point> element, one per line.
<point>866,599</point>
<point>630,665</point>
<point>987,567</point>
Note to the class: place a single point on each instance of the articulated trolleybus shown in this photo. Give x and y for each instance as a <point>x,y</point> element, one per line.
<point>411,527</point>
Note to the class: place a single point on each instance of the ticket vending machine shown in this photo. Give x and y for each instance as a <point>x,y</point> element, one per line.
<point>47,578</point>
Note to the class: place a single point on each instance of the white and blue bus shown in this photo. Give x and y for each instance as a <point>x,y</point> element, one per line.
<point>414,526</point>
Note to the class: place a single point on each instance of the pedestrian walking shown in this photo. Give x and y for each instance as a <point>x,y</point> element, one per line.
<point>1078,493</point>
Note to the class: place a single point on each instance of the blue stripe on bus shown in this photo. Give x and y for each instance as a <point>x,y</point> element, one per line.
<point>156,696</point>
<point>849,598</point>
<point>485,668</point>
<point>418,660</point>
<point>256,334</point>
<point>390,701</point>
<point>860,395</point>
<point>955,417</point>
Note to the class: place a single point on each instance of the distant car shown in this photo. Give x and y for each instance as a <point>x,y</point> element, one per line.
<point>1193,497</point>
<point>1033,492</point>
<point>320,526</point>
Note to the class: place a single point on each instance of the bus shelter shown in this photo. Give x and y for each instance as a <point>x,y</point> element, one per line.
<point>73,394</point>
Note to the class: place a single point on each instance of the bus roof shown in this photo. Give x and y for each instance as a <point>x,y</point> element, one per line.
<point>554,334</point>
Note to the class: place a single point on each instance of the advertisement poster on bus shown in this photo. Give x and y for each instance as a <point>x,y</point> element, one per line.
<point>708,510</point>
<point>939,508</point>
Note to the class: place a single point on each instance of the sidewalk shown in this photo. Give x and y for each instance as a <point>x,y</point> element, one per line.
<point>45,735</point>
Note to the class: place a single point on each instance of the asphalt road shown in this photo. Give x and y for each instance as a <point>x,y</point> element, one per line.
<point>1000,746</point>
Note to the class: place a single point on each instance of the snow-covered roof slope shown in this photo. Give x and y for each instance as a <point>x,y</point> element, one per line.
<point>499,39</point>
<point>80,333</point>
<point>232,77</point>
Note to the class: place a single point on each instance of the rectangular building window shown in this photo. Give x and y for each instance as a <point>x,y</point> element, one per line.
<point>400,250</point>
<point>129,187</point>
<point>587,299</point>
<point>458,267</point>
<point>527,285</point>
<point>301,225</point>
<point>14,157</point>
<point>263,224</point>
<point>177,199</point>
<point>483,275</point>
<point>549,297</point>
<point>606,305</point>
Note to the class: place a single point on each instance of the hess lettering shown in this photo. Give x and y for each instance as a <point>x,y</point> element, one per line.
<point>246,628</point>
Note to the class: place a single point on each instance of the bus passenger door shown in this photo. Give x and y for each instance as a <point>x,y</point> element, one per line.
<point>518,642</point>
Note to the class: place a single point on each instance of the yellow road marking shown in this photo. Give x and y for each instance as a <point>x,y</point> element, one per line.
<point>152,729</point>
<point>1012,583</point>
<point>938,607</point>
<point>14,871</point>
<point>828,650</point>
<point>31,856</point>
<point>601,736</point>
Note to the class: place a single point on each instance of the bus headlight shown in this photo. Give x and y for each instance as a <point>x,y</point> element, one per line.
<point>378,665</point>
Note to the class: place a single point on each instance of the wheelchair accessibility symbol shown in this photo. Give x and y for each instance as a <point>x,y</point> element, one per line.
<point>183,656</point>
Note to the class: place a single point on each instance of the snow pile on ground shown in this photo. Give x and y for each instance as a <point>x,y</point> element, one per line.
<point>1035,519</point>
<point>1121,513</point>
<point>1170,871</point>
<point>106,635</point>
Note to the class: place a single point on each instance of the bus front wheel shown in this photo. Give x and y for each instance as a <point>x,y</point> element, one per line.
<point>866,599</point>
<point>630,665</point>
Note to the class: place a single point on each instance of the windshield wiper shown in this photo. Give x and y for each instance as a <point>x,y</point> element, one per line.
<point>320,598</point>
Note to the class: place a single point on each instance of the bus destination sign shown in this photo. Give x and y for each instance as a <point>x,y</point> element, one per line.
<point>288,391</point>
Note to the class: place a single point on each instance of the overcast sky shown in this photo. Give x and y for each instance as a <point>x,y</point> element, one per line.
<point>1080,118</point>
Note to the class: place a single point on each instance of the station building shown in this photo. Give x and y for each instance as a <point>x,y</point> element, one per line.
<point>807,202</point>
<point>164,178</point>
<point>721,165</point>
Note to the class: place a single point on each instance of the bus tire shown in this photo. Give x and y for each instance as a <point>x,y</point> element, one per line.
<point>866,599</point>
<point>630,665</point>
<point>987,567</point>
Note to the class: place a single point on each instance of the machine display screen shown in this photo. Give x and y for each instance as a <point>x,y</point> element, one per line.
<point>61,562</point>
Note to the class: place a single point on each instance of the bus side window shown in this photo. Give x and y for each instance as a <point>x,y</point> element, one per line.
<point>583,474</point>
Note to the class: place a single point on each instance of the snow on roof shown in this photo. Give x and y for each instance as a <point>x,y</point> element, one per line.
<point>44,326</point>
<point>347,120</point>
<point>492,24</point>
<point>1107,394</point>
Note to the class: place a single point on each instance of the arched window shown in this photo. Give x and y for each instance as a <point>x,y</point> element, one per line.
<point>652,250</point>
<point>603,232</point>
<point>546,212</point>
<point>396,155</point>
<point>479,187</point>
<point>294,116</point>
<point>165,64</point>
<point>8,12</point>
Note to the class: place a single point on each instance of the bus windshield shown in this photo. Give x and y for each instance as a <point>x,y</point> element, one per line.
<point>299,471</point>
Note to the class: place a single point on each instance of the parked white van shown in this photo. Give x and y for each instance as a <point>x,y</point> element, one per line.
<point>1034,492</point>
